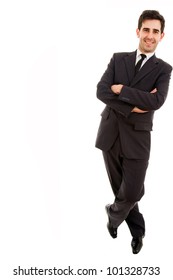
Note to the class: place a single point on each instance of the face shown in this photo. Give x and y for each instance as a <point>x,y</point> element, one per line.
<point>149,35</point>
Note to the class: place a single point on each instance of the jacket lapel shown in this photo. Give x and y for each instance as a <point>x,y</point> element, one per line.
<point>148,67</point>
<point>130,65</point>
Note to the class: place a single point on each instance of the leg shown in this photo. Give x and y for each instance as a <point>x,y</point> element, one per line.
<point>135,222</point>
<point>127,181</point>
<point>113,164</point>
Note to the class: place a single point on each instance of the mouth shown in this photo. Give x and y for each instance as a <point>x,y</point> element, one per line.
<point>149,43</point>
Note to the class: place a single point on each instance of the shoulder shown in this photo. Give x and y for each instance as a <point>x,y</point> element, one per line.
<point>163,63</point>
<point>123,54</point>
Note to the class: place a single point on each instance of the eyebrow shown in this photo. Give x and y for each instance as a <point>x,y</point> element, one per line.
<point>155,29</point>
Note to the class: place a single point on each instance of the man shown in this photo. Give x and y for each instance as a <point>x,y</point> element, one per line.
<point>131,97</point>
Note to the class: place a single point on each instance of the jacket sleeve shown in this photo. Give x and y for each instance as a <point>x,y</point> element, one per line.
<point>147,100</point>
<point>105,94</point>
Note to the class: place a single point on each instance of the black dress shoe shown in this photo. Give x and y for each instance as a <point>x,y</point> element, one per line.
<point>112,230</point>
<point>136,244</point>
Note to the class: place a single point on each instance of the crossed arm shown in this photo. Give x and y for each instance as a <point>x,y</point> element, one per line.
<point>117,90</point>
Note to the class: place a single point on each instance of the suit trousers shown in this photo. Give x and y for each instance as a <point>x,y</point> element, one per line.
<point>126,177</point>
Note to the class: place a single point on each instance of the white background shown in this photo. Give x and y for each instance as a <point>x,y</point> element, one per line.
<point>53,184</point>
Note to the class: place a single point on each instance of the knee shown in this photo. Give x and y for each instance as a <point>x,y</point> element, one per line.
<point>131,193</point>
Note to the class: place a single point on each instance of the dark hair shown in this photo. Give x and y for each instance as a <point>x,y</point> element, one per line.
<point>151,14</point>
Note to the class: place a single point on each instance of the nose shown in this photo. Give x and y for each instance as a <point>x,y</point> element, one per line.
<point>150,35</point>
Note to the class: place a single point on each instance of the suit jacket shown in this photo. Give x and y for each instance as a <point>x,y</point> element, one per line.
<point>117,118</point>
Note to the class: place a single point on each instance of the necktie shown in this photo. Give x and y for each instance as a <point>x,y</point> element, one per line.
<point>138,65</point>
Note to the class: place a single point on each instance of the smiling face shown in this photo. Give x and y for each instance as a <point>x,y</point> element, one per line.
<point>149,35</point>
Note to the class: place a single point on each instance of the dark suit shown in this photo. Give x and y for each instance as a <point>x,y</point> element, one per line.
<point>123,136</point>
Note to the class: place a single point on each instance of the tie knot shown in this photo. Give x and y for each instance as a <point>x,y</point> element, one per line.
<point>143,56</point>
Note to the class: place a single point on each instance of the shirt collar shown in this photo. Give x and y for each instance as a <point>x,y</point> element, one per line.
<point>148,55</point>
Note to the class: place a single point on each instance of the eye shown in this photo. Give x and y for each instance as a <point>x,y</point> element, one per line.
<point>146,29</point>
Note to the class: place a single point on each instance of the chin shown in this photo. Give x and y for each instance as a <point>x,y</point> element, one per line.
<point>149,50</point>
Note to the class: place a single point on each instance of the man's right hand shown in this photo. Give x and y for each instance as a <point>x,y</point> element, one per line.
<point>137,110</point>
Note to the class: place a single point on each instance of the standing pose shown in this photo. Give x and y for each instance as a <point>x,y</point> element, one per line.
<point>134,85</point>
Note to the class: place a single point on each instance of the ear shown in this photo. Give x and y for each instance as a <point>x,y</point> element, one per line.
<point>162,35</point>
<point>137,32</point>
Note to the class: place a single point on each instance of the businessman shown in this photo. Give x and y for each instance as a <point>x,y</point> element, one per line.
<point>133,87</point>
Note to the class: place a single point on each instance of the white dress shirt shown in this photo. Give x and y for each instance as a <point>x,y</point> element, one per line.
<point>138,57</point>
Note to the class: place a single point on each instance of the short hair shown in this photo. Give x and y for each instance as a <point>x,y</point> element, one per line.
<point>151,14</point>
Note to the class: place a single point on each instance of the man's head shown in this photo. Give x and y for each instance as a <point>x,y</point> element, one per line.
<point>150,30</point>
<point>151,14</point>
